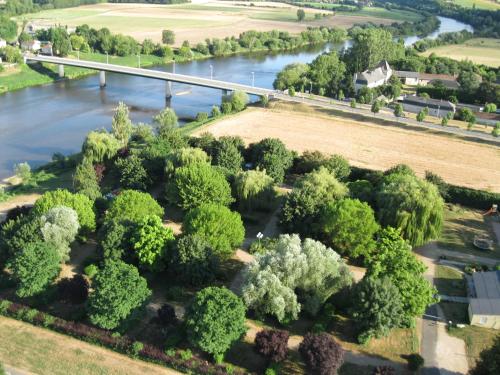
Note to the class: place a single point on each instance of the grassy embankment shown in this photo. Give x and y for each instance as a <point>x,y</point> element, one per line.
<point>478,50</point>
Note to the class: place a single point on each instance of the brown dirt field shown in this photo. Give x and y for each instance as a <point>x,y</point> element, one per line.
<point>143,21</point>
<point>45,352</point>
<point>369,145</point>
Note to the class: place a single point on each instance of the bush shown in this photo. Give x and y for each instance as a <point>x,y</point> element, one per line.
<point>362,190</point>
<point>215,111</point>
<point>135,349</point>
<point>91,270</point>
<point>221,228</point>
<point>489,360</point>
<point>226,108</point>
<point>167,37</point>
<point>184,157</point>
<point>468,197</point>
<point>74,290</point>
<point>150,242</point>
<point>349,227</point>
<point>34,268</point>
<point>271,155</point>
<point>201,116</point>
<point>272,344</point>
<point>99,147</point>
<point>415,362</point>
<point>133,205</point>
<point>314,160</point>
<point>238,100</point>
<point>193,260</point>
<point>118,289</point>
<point>16,234</point>
<point>199,184</point>
<point>254,189</point>
<point>78,202</point>
<point>166,315</point>
<point>23,171</point>
<point>322,354</point>
<point>215,320</point>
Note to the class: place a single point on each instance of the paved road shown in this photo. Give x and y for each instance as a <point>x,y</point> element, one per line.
<point>223,85</point>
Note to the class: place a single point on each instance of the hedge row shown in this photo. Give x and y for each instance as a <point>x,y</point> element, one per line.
<point>118,343</point>
<point>464,196</point>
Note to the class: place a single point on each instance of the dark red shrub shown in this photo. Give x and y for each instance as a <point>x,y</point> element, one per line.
<point>166,314</point>
<point>74,290</point>
<point>322,353</point>
<point>272,344</point>
<point>99,171</point>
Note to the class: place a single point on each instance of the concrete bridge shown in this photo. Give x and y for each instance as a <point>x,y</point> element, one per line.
<point>148,73</point>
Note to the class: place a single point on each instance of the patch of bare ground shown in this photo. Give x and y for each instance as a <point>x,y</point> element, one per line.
<point>367,144</point>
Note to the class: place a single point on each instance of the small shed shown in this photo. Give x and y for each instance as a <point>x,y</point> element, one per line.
<point>484,309</point>
<point>3,43</point>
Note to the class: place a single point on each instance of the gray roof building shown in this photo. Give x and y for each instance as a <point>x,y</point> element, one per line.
<point>428,103</point>
<point>487,284</point>
<point>484,309</point>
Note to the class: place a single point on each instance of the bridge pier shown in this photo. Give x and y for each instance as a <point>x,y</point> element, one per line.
<point>61,70</point>
<point>102,79</point>
<point>168,90</point>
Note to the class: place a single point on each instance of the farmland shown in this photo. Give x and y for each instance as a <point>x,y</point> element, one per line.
<point>480,4</point>
<point>196,22</point>
<point>478,50</point>
<point>369,145</point>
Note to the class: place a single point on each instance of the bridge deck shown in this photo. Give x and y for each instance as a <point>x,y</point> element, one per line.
<point>148,73</point>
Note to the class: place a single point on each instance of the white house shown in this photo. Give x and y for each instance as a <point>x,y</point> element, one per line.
<point>32,46</point>
<point>3,43</point>
<point>373,78</point>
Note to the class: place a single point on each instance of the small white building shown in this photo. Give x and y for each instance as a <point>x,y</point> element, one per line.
<point>378,76</point>
<point>32,46</point>
<point>3,43</point>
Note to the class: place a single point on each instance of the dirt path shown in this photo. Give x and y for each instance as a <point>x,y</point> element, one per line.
<point>443,354</point>
<point>367,144</point>
<point>18,200</point>
<point>30,348</point>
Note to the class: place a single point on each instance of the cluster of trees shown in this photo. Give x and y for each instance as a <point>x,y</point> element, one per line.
<point>17,7</point>
<point>330,74</point>
<point>457,37</point>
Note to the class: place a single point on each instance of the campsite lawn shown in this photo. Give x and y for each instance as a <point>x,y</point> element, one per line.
<point>478,50</point>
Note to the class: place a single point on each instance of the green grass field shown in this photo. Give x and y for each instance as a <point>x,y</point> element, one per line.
<point>476,340</point>
<point>449,282</point>
<point>480,4</point>
<point>478,50</point>
<point>460,226</point>
<point>377,12</point>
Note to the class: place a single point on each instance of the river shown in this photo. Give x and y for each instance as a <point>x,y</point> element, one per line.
<point>38,121</point>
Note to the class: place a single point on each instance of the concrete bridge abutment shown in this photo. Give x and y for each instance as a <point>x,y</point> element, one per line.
<point>60,70</point>
<point>102,79</point>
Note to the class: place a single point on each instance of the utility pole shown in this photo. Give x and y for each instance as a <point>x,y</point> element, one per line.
<point>107,58</point>
<point>253,79</point>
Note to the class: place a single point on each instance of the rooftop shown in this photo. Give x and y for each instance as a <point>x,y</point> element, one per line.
<point>487,284</point>
<point>417,100</point>
<point>485,306</point>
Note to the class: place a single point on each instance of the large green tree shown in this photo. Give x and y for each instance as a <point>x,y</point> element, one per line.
<point>121,125</point>
<point>411,204</point>
<point>8,28</point>
<point>118,290</point>
<point>291,272</point>
<point>271,155</point>
<point>215,320</point>
<point>150,242</point>
<point>254,189</point>
<point>133,206</point>
<point>85,180</point>
<point>59,227</point>
<point>489,360</point>
<point>327,72</point>
<point>218,225</point>
<point>198,184</point>
<point>34,268</point>
<point>395,259</point>
<point>100,146</point>
<point>370,46</point>
<point>293,75</point>
<point>377,307</point>
<point>302,206</point>
<point>78,202</point>
<point>349,227</point>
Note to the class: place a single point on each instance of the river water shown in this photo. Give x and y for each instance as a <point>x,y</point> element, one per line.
<point>38,121</point>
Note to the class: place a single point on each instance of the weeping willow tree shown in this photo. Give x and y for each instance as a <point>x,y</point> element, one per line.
<point>185,157</point>
<point>254,190</point>
<point>411,204</point>
<point>100,146</point>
